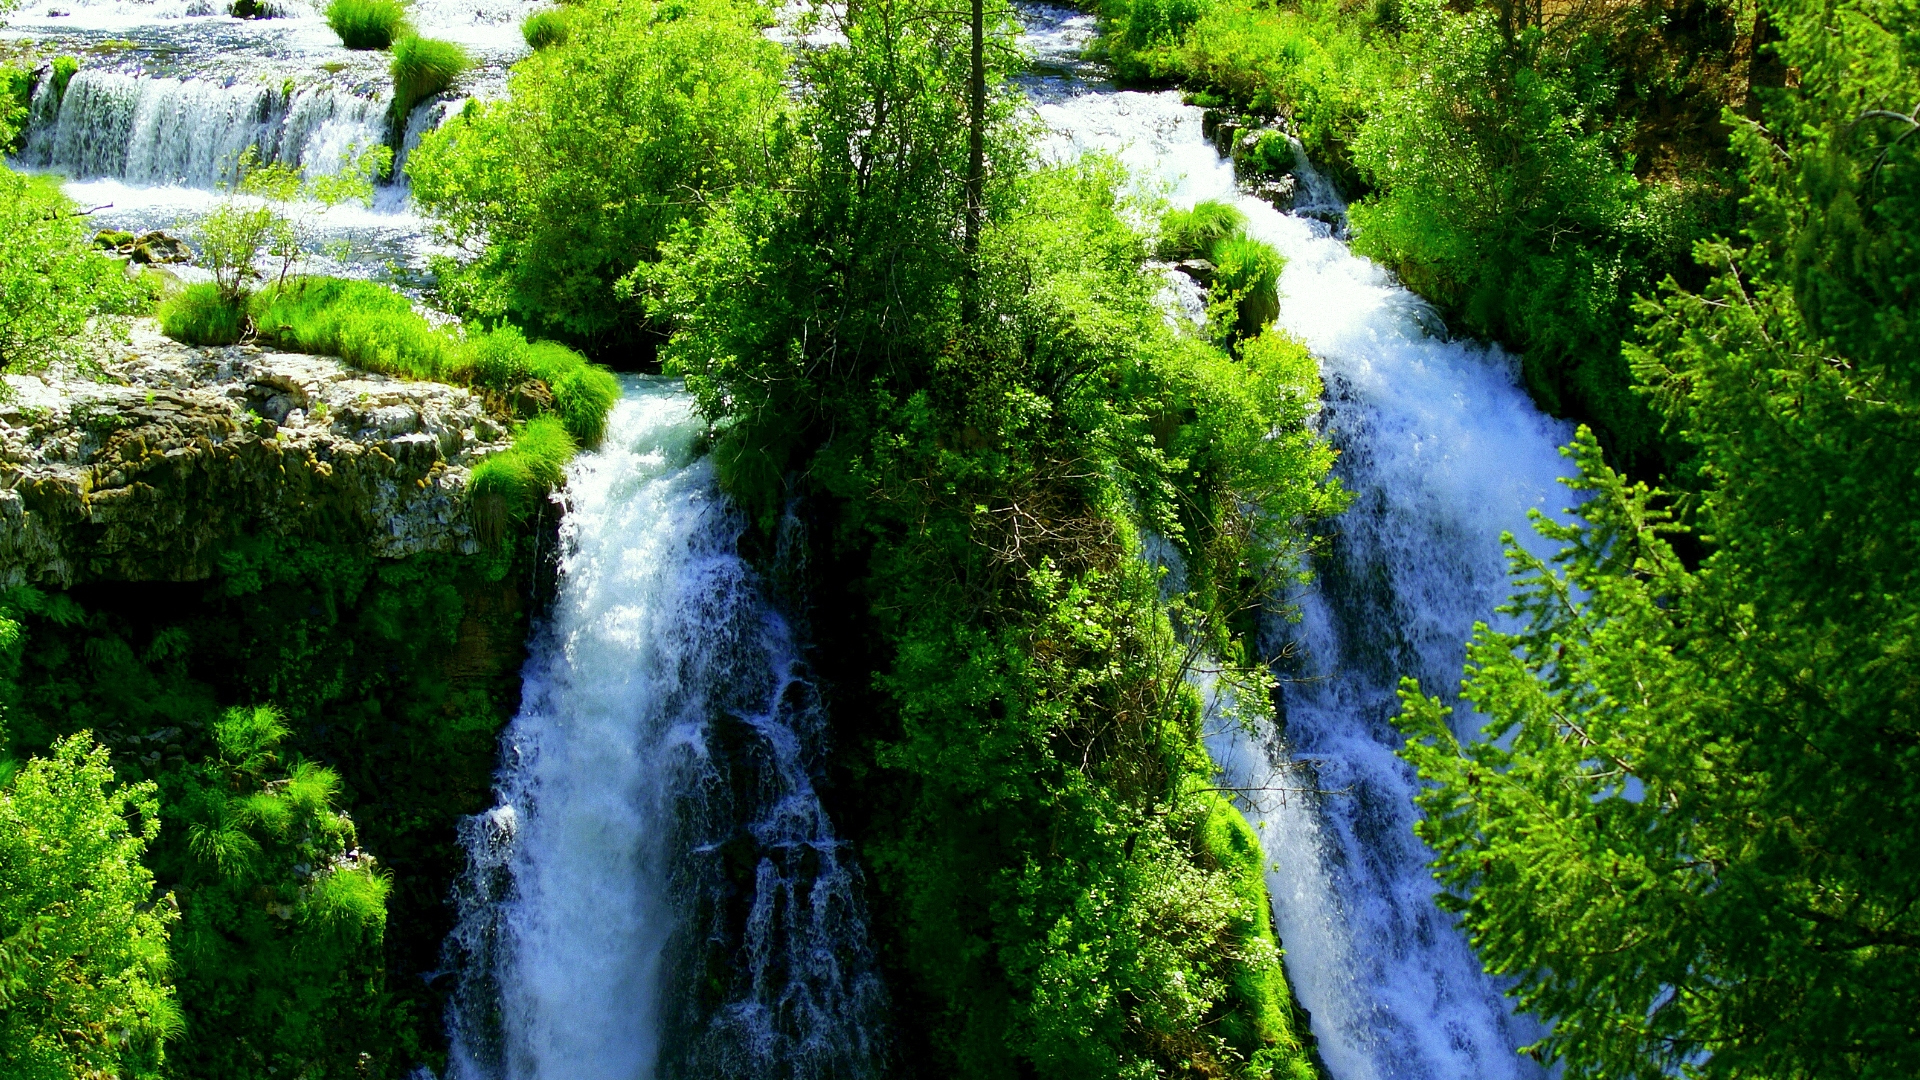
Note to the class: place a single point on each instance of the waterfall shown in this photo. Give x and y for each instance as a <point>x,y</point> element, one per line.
<point>172,132</point>
<point>658,890</point>
<point>1444,451</point>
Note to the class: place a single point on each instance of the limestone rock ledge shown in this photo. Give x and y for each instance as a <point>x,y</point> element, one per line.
<point>147,475</point>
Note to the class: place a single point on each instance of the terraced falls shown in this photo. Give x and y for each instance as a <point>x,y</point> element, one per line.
<point>684,539</point>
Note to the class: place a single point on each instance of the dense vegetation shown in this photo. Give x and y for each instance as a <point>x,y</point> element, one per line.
<point>1036,510</point>
<point>1693,845</point>
<point>1528,168</point>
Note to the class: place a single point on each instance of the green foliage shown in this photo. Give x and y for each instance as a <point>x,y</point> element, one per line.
<point>83,949</point>
<point>397,674</point>
<point>62,70</point>
<point>278,950</point>
<point>364,323</point>
<point>1692,845</point>
<point>1242,299</point>
<point>546,28</point>
<point>201,314</point>
<point>423,67</point>
<point>52,280</point>
<point>515,481</point>
<point>504,361</point>
<point>649,114</point>
<point>1046,880</point>
<point>367,24</point>
<point>1191,234</point>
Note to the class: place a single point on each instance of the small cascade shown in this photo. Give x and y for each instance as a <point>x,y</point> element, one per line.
<point>190,133</point>
<point>659,891</point>
<point>1444,451</point>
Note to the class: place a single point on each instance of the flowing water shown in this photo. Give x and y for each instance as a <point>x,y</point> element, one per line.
<point>1443,450</point>
<point>171,93</point>
<point>659,891</point>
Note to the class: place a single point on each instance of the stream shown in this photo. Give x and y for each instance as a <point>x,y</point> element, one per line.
<point>1443,450</point>
<point>658,888</point>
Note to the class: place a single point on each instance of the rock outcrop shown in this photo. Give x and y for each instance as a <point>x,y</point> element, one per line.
<point>149,473</point>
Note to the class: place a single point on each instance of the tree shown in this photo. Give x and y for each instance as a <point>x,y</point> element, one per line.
<point>1689,838</point>
<point>83,949</point>
<point>643,119</point>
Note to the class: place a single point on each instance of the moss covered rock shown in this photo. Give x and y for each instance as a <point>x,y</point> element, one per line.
<point>150,473</point>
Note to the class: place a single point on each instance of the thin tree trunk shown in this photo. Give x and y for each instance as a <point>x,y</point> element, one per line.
<point>976,167</point>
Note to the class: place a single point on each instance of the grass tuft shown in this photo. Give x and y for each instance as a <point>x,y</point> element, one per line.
<point>546,28</point>
<point>423,67</point>
<point>1191,234</point>
<point>367,24</point>
<point>200,315</point>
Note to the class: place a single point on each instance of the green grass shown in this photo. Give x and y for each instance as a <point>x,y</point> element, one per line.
<point>546,28</point>
<point>199,315</point>
<point>374,328</point>
<point>423,67</point>
<point>1192,234</point>
<point>367,24</point>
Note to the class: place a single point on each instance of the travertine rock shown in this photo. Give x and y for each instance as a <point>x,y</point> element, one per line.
<point>148,475</point>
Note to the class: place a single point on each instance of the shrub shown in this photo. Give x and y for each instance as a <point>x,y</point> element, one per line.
<point>545,28</point>
<point>64,69</point>
<point>423,67</point>
<point>582,393</point>
<point>202,314</point>
<point>1189,234</point>
<point>1246,279</point>
<point>562,184</point>
<point>52,280</point>
<point>367,24</point>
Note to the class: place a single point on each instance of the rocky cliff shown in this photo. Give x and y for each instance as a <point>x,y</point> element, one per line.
<point>147,470</point>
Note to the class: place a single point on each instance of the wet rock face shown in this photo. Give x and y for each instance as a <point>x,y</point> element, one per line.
<point>148,475</point>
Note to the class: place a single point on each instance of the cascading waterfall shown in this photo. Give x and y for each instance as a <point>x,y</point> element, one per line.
<point>1444,451</point>
<point>659,891</point>
<point>191,133</point>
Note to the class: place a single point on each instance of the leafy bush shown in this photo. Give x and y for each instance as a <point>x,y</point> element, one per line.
<point>202,314</point>
<point>367,24</point>
<point>52,279</point>
<point>1246,275</point>
<point>423,67</point>
<point>544,29</point>
<point>83,945</point>
<point>282,915</point>
<point>1191,234</point>
<point>565,185</point>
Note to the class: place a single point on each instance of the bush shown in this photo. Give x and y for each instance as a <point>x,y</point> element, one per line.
<point>201,314</point>
<point>582,393</point>
<point>563,184</point>
<point>423,67</point>
<point>52,280</point>
<point>546,28</point>
<point>367,24</point>
<point>1191,234</point>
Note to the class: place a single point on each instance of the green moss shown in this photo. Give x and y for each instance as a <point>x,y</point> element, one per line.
<point>543,29</point>
<point>1261,1021</point>
<point>200,315</point>
<point>367,24</point>
<point>64,68</point>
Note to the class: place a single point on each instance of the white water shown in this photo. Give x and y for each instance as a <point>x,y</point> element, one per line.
<point>1444,451</point>
<point>657,830</point>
